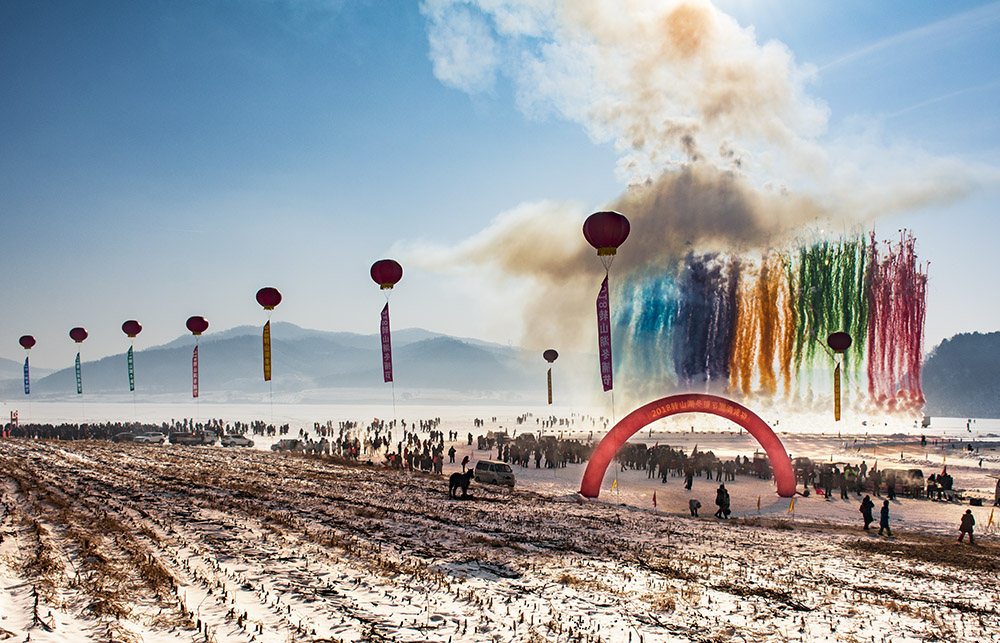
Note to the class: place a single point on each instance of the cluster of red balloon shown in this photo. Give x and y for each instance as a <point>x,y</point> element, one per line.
<point>385,272</point>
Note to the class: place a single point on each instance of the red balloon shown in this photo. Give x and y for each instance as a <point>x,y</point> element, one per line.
<point>197,325</point>
<point>386,273</point>
<point>550,355</point>
<point>27,341</point>
<point>268,298</point>
<point>606,231</point>
<point>839,341</point>
<point>131,328</point>
<point>78,334</point>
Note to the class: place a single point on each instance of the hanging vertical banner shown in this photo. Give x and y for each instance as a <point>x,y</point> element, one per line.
<point>194,373</point>
<point>27,379</point>
<point>386,345</point>
<point>267,351</point>
<point>836,394</point>
<point>131,371</point>
<point>604,335</point>
<point>79,376</point>
<point>549,377</point>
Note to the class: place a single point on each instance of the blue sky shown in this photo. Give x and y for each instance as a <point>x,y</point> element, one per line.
<point>164,159</point>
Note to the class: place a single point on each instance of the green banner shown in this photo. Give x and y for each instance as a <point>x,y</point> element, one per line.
<point>131,372</point>
<point>79,376</point>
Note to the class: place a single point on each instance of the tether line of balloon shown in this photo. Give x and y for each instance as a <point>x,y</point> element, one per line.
<point>132,328</point>
<point>26,342</point>
<point>606,231</point>
<point>387,273</point>
<point>79,334</point>
<point>268,298</point>
<point>197,325</point>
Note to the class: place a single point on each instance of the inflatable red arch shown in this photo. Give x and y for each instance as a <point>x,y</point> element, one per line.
<point>781,464</point>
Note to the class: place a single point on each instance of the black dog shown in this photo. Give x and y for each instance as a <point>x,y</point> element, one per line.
<point>460,480</point>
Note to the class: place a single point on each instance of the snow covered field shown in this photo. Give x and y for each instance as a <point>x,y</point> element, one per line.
<point>130,542</point>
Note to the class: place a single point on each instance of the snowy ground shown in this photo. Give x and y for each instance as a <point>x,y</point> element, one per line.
<point>130,542</point>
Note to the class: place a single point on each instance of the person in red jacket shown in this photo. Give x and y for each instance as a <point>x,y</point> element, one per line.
<point>968,520</point>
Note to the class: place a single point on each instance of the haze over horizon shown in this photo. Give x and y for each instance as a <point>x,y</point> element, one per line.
<point>163,160</point>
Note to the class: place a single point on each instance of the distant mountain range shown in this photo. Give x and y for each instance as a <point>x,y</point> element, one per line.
<point>320,366</point>
<point>10,369</point>
<point>961,377</point>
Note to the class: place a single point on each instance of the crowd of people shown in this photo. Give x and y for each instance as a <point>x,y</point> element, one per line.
<point>421,446</point>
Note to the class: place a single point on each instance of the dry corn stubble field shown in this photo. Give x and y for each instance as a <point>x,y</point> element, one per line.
<point>128,542</point>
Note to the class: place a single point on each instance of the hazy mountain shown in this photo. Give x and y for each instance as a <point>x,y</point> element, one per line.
<point>311,364</point>
<point>961,377</point>
<point>14,370</point>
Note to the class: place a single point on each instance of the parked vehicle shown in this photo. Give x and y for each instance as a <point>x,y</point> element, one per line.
<point>124,436</point>
<point>906,482</point>
<point>494,472</point>
<point>235,440</point>
<point>154,437</point>
<point>287,444</point>
<point>181,437</point>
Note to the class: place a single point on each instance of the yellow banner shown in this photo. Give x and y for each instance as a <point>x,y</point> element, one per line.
<point>836,393</point>
<point>267,352</point>
<point>550,385</point>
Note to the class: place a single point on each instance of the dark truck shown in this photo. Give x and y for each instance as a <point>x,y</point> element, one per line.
<point>287,444</point>
<point>186,438</point>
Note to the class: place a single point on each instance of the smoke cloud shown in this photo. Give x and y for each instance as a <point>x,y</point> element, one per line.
<point>717,136</point>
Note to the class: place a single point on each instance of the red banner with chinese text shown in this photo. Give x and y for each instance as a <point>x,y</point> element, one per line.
<point>194,372</point>
<point>386,345</point>
<point>604,335</point>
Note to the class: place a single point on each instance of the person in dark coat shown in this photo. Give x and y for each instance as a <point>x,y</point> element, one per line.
<point>883,522</point>
<point>867,506</point>
<point>968,520</point>
<point>720,500</point>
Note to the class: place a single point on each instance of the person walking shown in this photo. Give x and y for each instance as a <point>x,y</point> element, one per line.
<point>867,506</point>
<point>883,522</point>
<point>968,520</point>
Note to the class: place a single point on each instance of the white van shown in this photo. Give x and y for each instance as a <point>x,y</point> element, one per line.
<point>494,472</point>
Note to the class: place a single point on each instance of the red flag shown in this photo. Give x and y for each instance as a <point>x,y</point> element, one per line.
<point>386,345</point>
<point>194,373</point>
<point>654,499</point>
<point>604,334</point>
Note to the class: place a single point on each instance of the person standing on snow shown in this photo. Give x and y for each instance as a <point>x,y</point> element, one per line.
<point>720,500</point>
<point>968,520</point>
<point>867,506</point>
<point>883,522</point>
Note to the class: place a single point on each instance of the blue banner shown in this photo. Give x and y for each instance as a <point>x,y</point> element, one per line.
<point>27,380</point>
<point>79,376</point>
<point>131,373</point>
